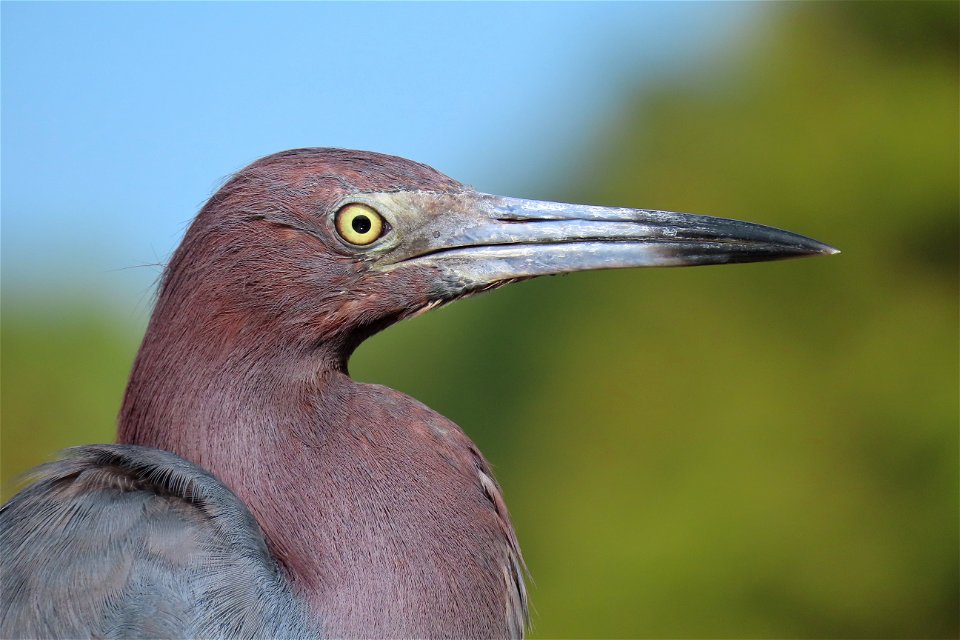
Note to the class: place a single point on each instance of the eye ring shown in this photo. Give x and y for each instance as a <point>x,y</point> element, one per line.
<point>359,224</point>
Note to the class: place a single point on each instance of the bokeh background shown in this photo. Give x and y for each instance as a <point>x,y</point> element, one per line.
<point>764,450</point>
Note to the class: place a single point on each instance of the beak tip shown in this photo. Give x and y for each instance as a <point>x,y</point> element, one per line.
<point>809,247</point>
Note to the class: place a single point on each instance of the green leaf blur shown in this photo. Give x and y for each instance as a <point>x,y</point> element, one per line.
<point>749,451</point>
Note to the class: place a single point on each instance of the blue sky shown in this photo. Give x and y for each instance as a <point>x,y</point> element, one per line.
<point>120,119</point>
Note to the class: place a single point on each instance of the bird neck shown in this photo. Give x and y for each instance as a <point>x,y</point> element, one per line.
<point>240,405</point>
<point>363,494</point>
<point>204,387</point>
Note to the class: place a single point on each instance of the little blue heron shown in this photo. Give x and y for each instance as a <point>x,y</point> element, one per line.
<point>258,491</point>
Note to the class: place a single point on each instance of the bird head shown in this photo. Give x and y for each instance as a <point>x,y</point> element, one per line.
<point>323,247</point>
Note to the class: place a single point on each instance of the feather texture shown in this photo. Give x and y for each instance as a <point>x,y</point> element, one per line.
<point>120,541</point>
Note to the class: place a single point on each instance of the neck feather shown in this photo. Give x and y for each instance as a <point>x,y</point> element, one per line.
<point>364,495</point>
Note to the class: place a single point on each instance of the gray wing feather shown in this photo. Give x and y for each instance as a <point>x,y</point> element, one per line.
<point>118,541</point>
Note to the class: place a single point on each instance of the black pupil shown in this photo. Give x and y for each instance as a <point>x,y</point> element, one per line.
<point>361,224</point>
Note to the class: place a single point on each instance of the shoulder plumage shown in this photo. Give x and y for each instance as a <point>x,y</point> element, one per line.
<point>127,541</point>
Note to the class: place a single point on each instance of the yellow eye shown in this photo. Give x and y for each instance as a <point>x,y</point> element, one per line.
<point>359,224</point>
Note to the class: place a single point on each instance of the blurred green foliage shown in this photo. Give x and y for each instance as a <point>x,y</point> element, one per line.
<point>748,451</point>
<point>64,371</point>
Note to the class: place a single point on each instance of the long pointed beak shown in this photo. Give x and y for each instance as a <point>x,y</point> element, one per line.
<point>485,240</point>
